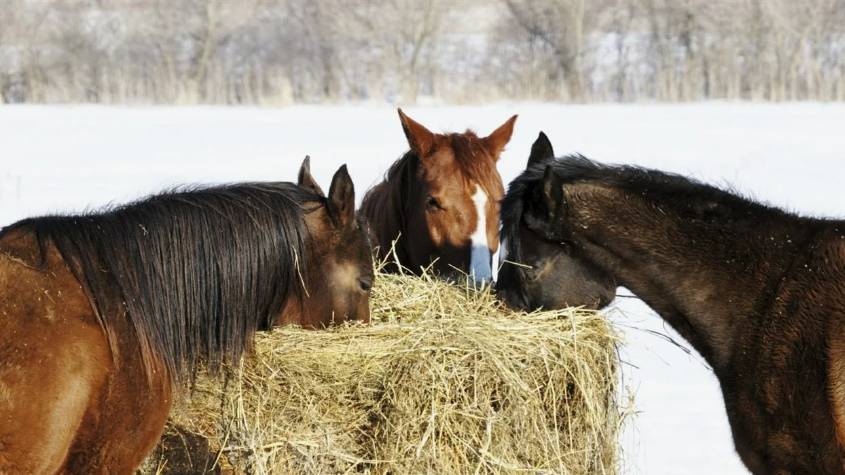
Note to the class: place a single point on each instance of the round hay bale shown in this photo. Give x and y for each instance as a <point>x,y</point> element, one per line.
<point>445,381</point>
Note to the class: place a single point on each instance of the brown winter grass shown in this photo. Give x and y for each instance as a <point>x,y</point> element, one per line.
<point>445,381</point>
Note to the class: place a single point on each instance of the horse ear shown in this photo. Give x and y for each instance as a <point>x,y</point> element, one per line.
<point>306,179</point>
<point>341,199</point>
<point>550,194</point>
<point>419,138</point>
<point>541,151</point>
<point>500,137</point>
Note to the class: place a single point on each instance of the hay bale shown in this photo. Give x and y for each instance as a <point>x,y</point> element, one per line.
<point>446,381</point>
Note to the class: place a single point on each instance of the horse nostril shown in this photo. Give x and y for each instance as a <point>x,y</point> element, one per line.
<point>354,315</point>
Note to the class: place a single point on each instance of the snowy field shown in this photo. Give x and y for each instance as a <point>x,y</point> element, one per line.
<point>69,158</point>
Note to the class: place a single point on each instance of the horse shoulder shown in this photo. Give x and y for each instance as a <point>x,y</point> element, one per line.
<point>54,358</point>
<point>834,259</point>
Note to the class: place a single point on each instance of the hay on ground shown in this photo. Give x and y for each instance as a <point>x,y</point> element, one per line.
<point>445,381</point>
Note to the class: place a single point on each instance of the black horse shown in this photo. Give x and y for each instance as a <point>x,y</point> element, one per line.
<point>759,292</point>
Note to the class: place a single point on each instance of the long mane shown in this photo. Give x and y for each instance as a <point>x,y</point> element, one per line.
<point>670,189</point>
<point>196,270</point>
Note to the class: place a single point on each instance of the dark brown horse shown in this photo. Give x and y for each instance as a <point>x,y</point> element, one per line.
<point>101,314</point>
<point>759,292</point>
<point>442,197</point>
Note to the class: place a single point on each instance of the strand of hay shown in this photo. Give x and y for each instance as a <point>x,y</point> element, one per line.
<point>445,381</point>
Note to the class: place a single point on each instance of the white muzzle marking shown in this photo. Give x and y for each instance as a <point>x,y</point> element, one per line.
<point>480,267</point>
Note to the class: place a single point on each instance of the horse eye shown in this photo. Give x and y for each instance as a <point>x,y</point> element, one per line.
<point>432,202</point>
<point>366,285</point>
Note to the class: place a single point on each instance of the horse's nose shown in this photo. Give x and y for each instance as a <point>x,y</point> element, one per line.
<point>481,271</point>
<point>359,315</point>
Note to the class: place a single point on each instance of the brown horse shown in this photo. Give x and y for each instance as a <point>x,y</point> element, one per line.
<point>759,292</point>
<point>101,314</point>
<point>442,197</point>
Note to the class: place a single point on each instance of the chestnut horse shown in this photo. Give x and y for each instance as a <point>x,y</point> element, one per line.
<point>103,313</point>
<point>442,197</point>
<point>757,291</point>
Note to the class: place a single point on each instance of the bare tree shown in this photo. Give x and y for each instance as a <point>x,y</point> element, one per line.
<point>284,51</point>
<point>560,26</point>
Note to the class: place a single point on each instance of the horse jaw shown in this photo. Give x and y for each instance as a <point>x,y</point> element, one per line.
<point>480,267</point>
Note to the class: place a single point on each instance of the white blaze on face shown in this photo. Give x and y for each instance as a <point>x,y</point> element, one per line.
<point>480,269</point>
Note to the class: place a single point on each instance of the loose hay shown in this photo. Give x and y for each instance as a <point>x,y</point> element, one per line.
<point>446,381</point>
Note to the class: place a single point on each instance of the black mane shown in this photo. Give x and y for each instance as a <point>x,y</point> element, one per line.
<point>197,270</point>
<point>386,204</point>
<point>669,189</point>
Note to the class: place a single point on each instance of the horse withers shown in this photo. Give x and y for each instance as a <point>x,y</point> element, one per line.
<point>757,291</point>
<point>102,314</point>
<point>440,202</point>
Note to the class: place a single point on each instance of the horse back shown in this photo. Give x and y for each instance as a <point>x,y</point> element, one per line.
<point>37,285</point>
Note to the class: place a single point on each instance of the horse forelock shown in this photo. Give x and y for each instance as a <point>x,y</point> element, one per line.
<point>477,165</point>
<point>196,270</point>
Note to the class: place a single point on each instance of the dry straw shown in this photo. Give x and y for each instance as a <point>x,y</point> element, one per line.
<point>445,381</point>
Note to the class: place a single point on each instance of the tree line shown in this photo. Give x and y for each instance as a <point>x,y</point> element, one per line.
<point>279,52</point>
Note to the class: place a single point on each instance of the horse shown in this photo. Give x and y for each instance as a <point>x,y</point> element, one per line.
<point>105,313</point>
<point>759,292</point>
<point>442,197</point>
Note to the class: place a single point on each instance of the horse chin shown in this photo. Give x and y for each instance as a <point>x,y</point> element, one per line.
<point>514,299</point>
<point>604,301</point>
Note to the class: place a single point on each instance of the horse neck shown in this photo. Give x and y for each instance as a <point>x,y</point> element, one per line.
<point>201,296</point>
<point>704,274</point>
<point>386,205</point>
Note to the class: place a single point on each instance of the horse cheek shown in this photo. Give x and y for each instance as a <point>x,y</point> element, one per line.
<point>435,231</point>
<point>549,230</point>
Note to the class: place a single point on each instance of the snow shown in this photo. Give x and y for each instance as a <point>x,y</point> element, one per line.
<point>793,155</point>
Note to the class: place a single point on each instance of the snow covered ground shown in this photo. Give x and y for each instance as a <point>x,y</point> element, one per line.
<point>793,155</point>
